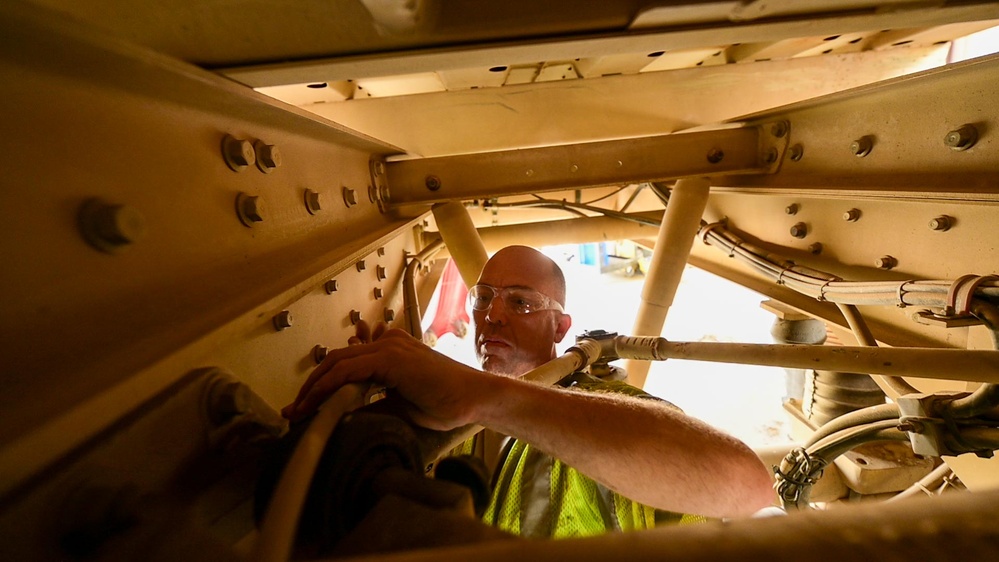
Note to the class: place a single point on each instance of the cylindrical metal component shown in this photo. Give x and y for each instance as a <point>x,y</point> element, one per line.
<point>962,138</point>
<point>355,317</point>
<point>853,215</point>
<point>941,223</point>
<point>349,197</point>
<point>815,248</point>
<point>862,146</point>
<point>378,293</point>
<point>249,209</point>
<point>676,236</point>
<point>791,209</point>
<point>268,156</point>
<point>282,320</point>
<point>389,315</point>
<point>331,286</point>
<point>462,240</point>
<point>319,352</point>
<point>799,230</point>
<point>109,227</point>
<point>238,154</point>
<point>380,272</point>
<point>886,262</point>
<point>360,265</point>
<point>796,152</point>
<point>313,203</point>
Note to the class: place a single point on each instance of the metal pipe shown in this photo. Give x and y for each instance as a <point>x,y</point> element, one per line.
<point>893,386</point>
<point>462,240</point>
<point>676,235</point>
<point>931,480</point>
<point>410,302</point>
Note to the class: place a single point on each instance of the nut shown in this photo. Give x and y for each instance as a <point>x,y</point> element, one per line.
<point>796,152</point>
<point>389,315</point>
<point>815,248</point>
<point>715,155</point>
<point>238,154</point>
<point>853,215</point>
<point>282,320</point>
<point>355,317</point>
<point>779,129</point>
<point>941,223</point>
<point>331,286</point>
<point>380,272</point>
<point>799,230</point>
<point>319,352</point>
<point>962,138</point>
<point>360,265</point>
<point>268,156</point>
<point>433,183</point>
<point>771,156</point>
<point>313,204</point>
<point>349,197</point>
<point>791,209</point>
<point>249,209</point>
<point>378,292</point>
<point>885,262</point>
<point>862,146</point>
<point>108,227</point>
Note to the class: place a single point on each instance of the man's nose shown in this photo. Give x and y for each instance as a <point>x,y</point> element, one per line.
<point>496,312</point>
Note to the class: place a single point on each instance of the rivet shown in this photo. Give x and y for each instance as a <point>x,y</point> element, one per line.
<point>574,168</point>
<point>715,155</point>
<point>389,315</point>
<point>799,230</point>
<point>249,209</point>
<point>319,352</point>
<point>941,223</point>
<point>853,215</point>
<point>796,152</point>
<point>331,286</point>
<point>355,317</point>
<point>962,138</point>
<point>378,292</point>
<point>433,183</point>
<point>815,248</point>
<point>862,147</point>
<point>360,265</point>
<point>791,209</point>
<point>313,204</point>
<point>282,320</point>
<point>885,262</point>
<point>109,228</point>
<point>349,197</point>
<point>380,272</point>
<point>238,154</point>
<point>268,156</point>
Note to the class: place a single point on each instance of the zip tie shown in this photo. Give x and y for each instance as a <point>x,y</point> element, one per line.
<point>780,276</point>
<point>901,292</point>
<point>822,290</point>
<point>706,229</point>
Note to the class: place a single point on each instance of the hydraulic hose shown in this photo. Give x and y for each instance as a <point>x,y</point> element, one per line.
<point>860,417</point>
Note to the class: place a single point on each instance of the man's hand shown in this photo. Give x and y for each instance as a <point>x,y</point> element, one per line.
<point>441,390</point>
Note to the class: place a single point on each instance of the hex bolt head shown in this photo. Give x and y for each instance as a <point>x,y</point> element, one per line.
<point>853,215</point>
<point>360,265</point>
<point>796,152</point>
<point>962,138</point>
<point>108,227</point>
<point>862,147</point>
<point>779,129</point>
<point>799,230</point>
<point>331,286</point>
<point>313,203</point>
<point>319,352</point>
<point>389,315</point>
<point>349,197</point>
<point>791,209</point>
<point>237,153</point>
<point>268,156</point>
<point>378,292</point>
<point>380,251</point>
<point>283,320</point>
<point>380,272</point>
<point>249,209</point>
<point>815,248</point>
<point>715,155</point>
<point>885,262</point>
<point>355,317</point>
<point>433,183</point>
<point>941,223</point>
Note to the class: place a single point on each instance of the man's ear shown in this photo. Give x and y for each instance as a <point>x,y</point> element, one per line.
<point>564,323</point>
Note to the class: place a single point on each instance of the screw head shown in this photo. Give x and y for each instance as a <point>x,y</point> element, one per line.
<point>853,215</point>
<point>380,272</point>
<point>885,262</point>
<point>237,153</point>
<point>862,147</point>
<point>108,227</point>
<point>268,156</point>
<point>349,197</point>
<point>319,352</point>
<point>331,286</point>
<point>433,183</point>
<point>799,230</point>
<point>791,209</point>
<point>941,223</point>
<point>313,203</point>
<point>389,315</point>
<point>283,320</point>
<point>355,317</point>
<point>962,138</point>
<point>715,155</point>
<point>249,209</point>
<point>815,248</point>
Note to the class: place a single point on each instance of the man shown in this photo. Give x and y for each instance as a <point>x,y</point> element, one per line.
<point>640,449</point>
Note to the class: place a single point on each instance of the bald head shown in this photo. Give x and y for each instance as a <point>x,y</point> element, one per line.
<point>545,275</point>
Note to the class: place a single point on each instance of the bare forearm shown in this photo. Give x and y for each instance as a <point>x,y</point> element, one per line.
<point>640,448</point>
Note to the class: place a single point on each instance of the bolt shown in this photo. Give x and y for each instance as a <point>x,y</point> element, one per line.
<point>268,156</point>
<point>378,292</point>
<point>433,183</point>
<point>360,265</point>
<point>574,168</point>
<point>791,209</point>
<point>815,248</point>
<point>389,315</point>
<point>962,139</point>
<point>771,156</point>
<point>312,202</point>
<point>861,147</point>
<point>886,262</point>
<point>379,167</point>
<point>799,230</point>
<point>380,272</point>
<point>779,129</point>
<point>349,197</point>
<point>355,317</point>
<point>941,223</point>
<point>249,209</point>
<point>796,152</point>
<point>715,155</point>
<point>853,215</point>
<point>238,154</point>
<point>109,227</point>
<point>282,320</point>
<point>331,286</point>
<point>319,352</point>
<point>380,251</point>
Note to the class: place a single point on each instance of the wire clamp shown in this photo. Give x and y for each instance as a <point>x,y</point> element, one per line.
<point>961,293</point>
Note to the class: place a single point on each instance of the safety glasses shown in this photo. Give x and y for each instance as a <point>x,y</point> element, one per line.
<point>516,299</point>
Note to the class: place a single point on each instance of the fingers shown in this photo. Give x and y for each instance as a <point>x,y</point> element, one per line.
<point>361,368</point>
<point>362,333</point>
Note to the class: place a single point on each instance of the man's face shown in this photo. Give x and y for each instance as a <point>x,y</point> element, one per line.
<point>508,343</point>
